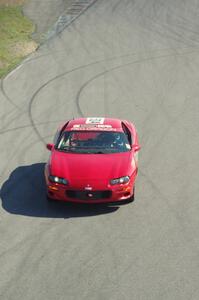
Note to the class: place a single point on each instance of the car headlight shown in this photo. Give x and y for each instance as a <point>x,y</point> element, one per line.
<point>57,179</point>
<point>120,180</point>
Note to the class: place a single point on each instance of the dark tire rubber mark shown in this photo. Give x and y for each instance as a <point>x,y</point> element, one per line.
<point>77,100</point>
<point>7,97</point>
<point>117,68</point>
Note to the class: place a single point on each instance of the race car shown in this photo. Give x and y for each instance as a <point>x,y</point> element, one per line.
<point>93,160</point>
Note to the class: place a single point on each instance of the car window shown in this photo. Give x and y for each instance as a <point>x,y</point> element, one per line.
<point>95,142</point>
<point>127,133</point>
<point>59,132</point>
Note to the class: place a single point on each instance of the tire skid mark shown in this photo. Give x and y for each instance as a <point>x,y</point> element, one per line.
<point>7,97</point>
<point>115,7</point>
<point>171,33</point>
<point>93,78</point>
<point>30,59</point>
<point>99,61</point>
<point>116,68</point>
<point>32,123</point>
<point>10,114</point>
<point>41,88</point>
<point>84,6</point>
<point>178,25</point>
<point>60,76</point>
<point>28,125</point>
<point>12,120</point>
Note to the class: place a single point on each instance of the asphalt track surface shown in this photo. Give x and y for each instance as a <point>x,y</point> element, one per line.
<point>137,60</point>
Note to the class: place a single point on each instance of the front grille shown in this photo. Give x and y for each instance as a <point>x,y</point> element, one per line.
<point>89,195</point>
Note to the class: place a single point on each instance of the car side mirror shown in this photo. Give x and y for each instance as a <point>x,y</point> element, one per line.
<point>136,148</point>
<point>49,146</point>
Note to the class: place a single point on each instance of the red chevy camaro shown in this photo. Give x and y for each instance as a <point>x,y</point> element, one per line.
<point>93,160</point>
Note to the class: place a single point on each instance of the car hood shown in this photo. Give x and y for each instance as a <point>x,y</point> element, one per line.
<point>90,168</point>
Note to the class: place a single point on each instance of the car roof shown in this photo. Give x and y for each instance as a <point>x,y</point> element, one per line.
<point>95,123</point>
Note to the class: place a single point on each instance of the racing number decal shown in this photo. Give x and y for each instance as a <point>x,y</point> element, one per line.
<point>95,121</point>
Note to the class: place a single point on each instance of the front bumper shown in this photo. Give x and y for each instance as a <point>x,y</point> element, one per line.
<point>110,193</point>
<point>114,194</point>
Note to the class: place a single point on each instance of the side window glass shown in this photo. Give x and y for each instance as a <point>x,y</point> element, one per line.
<point>59,133</point>
<point>128,133</point>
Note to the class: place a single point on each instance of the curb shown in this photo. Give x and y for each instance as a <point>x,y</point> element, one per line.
<point>69,16</point>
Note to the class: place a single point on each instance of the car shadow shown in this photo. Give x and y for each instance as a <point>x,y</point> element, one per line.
<point>24,193</point>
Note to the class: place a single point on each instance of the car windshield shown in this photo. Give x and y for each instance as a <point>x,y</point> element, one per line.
<point>94,142</point>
